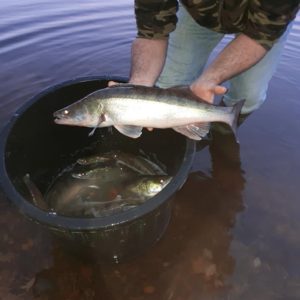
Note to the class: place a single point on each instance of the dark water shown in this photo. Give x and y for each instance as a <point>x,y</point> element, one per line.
<point>235,229</point>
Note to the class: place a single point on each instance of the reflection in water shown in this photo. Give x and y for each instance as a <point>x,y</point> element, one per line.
<point>70,278</point>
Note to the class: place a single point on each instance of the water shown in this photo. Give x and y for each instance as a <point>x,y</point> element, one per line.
<point>235,229</point>
<point>104,185</point>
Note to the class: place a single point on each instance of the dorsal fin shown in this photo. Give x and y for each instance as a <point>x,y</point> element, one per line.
<point>121,84</point>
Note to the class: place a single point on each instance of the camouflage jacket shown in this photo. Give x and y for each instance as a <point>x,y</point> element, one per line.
<point>262,20</point>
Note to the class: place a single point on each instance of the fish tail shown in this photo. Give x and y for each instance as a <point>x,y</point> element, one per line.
<point>36,196</point>
<point>236,110</point>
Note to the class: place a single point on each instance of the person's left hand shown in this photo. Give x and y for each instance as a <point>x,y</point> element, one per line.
<point>112,83</point>
<point>206,89</point>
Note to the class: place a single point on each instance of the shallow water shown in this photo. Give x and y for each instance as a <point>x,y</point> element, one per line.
<point>235,228</point>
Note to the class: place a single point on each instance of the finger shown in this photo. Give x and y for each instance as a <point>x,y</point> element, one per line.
<point>150,128</point>
<point>220,90</point>
<point>112,83</point>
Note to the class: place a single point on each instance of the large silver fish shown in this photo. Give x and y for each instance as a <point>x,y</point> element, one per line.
<point>129,108</point>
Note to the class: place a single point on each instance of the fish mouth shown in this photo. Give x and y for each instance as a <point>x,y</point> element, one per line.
<point>62,117</point>
<point>60,122</point>
<point>66,121</point>
<point>58,119</point>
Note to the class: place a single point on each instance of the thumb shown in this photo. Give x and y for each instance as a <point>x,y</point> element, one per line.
<point>220,90</point>
<point>112,83</point>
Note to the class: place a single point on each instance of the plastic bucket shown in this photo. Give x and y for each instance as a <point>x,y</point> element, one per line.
<point>32,143</point>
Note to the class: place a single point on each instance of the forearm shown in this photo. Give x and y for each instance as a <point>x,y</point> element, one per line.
<point>238,56</point>
<point>147,60</point>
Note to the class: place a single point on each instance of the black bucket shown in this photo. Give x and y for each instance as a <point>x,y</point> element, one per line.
<point>32,143</point>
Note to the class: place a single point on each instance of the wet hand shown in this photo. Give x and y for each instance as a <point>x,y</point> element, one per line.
<point>112,83</point>
<point>206,89</point>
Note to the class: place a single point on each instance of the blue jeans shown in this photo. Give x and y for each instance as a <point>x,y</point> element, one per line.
<point>188,51</point>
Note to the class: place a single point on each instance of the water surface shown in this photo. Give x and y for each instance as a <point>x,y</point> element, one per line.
<point>235,228</point>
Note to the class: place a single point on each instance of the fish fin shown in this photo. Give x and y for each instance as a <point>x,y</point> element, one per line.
<point>102,118</point>
<point>93,131</point>
<point>195,131</point>
<point>120,84</point>
<point>129,130</point>
<point>36,195</point>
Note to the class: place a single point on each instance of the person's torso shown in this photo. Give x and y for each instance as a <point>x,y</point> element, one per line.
<point>226,16</point>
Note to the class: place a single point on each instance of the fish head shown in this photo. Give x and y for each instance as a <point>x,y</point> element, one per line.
<point>86,112</point>
<point>152,185</point>
<point>160,182</point>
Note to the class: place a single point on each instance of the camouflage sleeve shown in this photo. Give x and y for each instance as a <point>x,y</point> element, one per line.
<point>155,19</point>
<point>268,19</point>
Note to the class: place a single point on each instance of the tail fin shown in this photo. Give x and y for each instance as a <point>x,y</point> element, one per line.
<point>236,110</point>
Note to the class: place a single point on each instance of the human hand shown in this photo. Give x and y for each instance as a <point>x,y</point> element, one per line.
<point>207,89</point>
<point>112,83</point>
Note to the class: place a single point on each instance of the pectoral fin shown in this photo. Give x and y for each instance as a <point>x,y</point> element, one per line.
<point>130,131</point>
<point>195,131</point>
<point>102,118</point>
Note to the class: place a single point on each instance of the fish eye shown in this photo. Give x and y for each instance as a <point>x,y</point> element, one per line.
<point>66,112</point>
<point>161,181</point>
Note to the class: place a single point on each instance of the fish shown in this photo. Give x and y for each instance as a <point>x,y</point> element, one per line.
<point>144,188</point>
<point>141,165</point>
<point>66,190</point>
<point>96,197</point>
<point>104,174</point>
<point>75,191</point>
<point>130,108</point>
<point>136,163</point>
<point>96,212</point>
<point>93,159</point>
<point>135,193</point>
<point>36,195</point>
<point>80,207</point>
